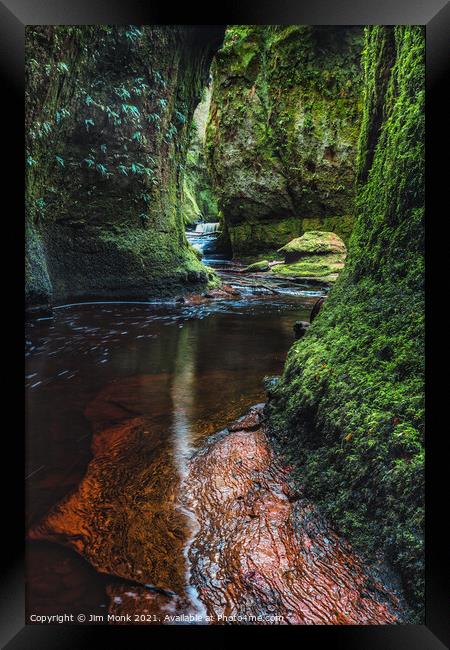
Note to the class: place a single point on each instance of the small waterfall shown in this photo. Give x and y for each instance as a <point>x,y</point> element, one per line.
<point>207,228</point>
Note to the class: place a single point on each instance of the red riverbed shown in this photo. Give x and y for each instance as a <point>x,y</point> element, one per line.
<point>263,553</point>
<point>229,543</point>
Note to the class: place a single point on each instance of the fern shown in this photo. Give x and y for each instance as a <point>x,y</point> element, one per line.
<point>130,109</point>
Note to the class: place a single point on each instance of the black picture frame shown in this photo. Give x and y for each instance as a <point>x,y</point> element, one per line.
<point>14,15</point>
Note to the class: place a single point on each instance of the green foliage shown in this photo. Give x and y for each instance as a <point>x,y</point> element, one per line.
<point>61,114</point>
<point>199,201</point>
<point>62,67</point>
<point>130,109</point>
<point>122,92</point>
<point>180,117</point>
<point>133,34</point>
<point>104,118</point>
<point>102,169</point>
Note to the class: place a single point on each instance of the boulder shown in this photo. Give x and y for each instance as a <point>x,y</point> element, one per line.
<point>314,242</point>
<point>300,328</point>
<point>316,255</point>
<point>260,266</point>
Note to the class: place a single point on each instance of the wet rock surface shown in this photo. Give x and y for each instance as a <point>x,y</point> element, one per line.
<point>122,517</point>
<point>263,551</point>
<point>232,543</point>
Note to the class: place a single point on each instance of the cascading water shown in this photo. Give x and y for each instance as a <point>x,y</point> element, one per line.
<point>203,239</point>
<point>231,271</point>
<point>207,228</point>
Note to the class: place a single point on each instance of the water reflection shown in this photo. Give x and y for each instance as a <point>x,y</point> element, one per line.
<point>138,375</point>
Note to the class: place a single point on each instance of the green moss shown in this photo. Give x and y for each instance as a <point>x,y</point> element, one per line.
<point>320,267</point>
<point>262,265</point>
<point>252,237</point>
<point>341,225</point>
<point>198,201</point>
<point>313,242</point>
<point>349,407</point>
<point>108,119</point>
<point>283,127</point>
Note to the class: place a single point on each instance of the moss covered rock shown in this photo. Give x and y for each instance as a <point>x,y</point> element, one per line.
<point>314,242</point>
<point>108,114</point>
<point>315,255</point>
<point>262,265</point>
<point>349,407</point>
<point>322,268</point>
<point>198,201</point>
<point>282,132</point>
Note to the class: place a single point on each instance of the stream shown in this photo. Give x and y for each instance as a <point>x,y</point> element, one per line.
<point>150,498</point>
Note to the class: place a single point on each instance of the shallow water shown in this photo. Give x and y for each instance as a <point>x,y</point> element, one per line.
<point>186,370</point>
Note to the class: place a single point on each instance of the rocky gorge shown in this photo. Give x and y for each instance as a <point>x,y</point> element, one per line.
<point>108,118</point>
<point>302,149</point>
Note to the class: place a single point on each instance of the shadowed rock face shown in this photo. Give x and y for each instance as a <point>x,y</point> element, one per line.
<point>282,134</point>
<point>108,112</point>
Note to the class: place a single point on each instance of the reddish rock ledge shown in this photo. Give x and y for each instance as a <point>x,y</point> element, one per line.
<point>264,551</point>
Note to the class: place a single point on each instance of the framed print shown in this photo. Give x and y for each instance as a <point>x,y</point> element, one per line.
<point>224,273</point>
